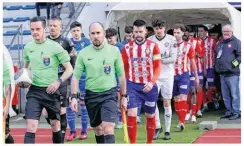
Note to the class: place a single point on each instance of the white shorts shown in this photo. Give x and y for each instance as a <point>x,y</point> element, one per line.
<point>166,85</point>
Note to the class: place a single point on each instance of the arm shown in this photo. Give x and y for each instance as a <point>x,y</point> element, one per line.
<point>78,70</point>
<point>125,61</point>
<point>156,64</point>
<point>238,51</point>
<point>173,54</point>
<point>67,72</point>
<point>119,69</point>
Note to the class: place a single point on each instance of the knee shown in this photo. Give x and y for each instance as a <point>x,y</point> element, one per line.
<point>132,112</point>
<point>32,126</point>
<point>150,115</point>
<point>167,103</point>
<point>55,125</point>
<point>99,130</point>
<point>63,110</point>
<point>108,128</point>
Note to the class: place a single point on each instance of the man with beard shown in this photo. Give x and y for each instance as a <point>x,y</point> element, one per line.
<point>142,63</point>
<point>101,61</point>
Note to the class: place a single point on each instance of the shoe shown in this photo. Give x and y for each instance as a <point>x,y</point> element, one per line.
<point>199,114</point>
<point>226,116</point>
<point>182,127</point>
<point>234,117</point>
<point>157,132</point>
<point>188,117</point>
<point>216,103</point>
<point>178,126</point>
<point>138,119</point>
<point>167,136</point>
<point>83,136</point>
<point>119,125</point>
<point>204,108</point>
<point>193,119</point>
<point>71,137</point>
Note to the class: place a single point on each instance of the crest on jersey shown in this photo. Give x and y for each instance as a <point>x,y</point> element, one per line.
<point>166,44</point>
<point>175,45</point>
<point>229,45</point>
<point>127,47</point>
<point>147,51</point>
<point>107,69</point>
<point>46,61</point>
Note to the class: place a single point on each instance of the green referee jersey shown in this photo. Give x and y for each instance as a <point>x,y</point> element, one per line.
<point>44,60</point>
<point>100,67</point>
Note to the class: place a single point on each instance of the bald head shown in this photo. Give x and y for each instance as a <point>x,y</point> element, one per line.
<point>227,31</point>
<point>97,33</point>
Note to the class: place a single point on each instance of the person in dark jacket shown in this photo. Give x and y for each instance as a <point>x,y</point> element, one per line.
<point>228,59</point>
<point>56,9</point>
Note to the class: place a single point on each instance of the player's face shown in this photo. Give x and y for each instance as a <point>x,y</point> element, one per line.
<point>202,33</point>
<point>76,32</point>
<point>227,32</point>
<point>112,40</point>
<point>186,36</point>
<point>214,36</point>
<point>55,28</point>
<point>159,31</point>
<point>178,34</point>
<point>97,35</point>
<point>37,30</point>
<point>128,36</point>
<point>139,33</point>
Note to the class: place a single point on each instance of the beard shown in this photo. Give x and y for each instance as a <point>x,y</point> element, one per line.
<point>139,39</point>
<point>97,43</point>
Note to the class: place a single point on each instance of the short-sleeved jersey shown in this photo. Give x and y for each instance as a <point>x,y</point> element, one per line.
<point>167,47</point>
<point>119,45</point>
<point>210,49</point>
<point>44,60</point>
<point>138,60</point>
<point>100,67</point>
<point>184,53</point>
<point>198,47</point>
<point>79,45</point>
<point>6,76</point>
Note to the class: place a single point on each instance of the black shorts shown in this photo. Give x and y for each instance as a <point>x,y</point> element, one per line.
<point>101,106</point>
<point>65,92</point>
<point>37,99</point>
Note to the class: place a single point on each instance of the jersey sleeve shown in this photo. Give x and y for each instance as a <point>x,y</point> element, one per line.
<point>119,65</point>
<point>125,61</point>
<point>26,57</point>
<point>156,53</point>
<point>156,64</point>
<point>79,67</point>
<point>61,54</point>
<point>191,53</point>
<point>70,45</point>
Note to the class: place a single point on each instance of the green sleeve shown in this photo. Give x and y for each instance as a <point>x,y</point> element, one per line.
<point>6,74</point>
<point>62,54</point>
<point>119,65</point>
<point>26,57</point>
<point>79,67</point>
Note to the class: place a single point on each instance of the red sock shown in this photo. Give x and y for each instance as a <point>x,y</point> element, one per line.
<point>194,109</point>
<point>132,128</point>
<point>189,102</point>
<point>200,96</point>
<point>181,107</point>
<point>176,104</point>
<point>151,126</point>
<point>184,110</point>
<point>210,95</point>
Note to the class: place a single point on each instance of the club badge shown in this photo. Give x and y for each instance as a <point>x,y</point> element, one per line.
<point>107,69</point>
<point>46,61</point>
<point>166,44</point>
<point>147,51</point>
<point>229,46</point>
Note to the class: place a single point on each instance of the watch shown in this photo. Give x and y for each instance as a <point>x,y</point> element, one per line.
<point>74,96</point>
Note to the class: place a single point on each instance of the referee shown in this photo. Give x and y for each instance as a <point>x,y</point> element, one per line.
<point>100,61</point>
<point>44,56</point>
<point>55,27</point>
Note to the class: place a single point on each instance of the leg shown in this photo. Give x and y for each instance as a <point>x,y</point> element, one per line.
<point>38,10</point>
<point>8,138</point>
<point>84,120</point>
<point>233,82</point>
<point>48,10</point>
<point>99,134</point>
<point>226,96</point>
<point>132,124</point>
<point>200,95</point>
<point>71,9</point>
<point>71,122</point>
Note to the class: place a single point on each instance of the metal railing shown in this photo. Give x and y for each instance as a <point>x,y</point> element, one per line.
<point>76,15</point>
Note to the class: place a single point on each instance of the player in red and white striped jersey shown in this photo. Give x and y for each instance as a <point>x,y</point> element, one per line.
<point>198,47</point>
<point>185,52</point>
<point>210,49</point>
<point>142,63</point>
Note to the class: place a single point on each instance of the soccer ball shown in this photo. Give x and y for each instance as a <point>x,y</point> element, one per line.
<point>23,78</point>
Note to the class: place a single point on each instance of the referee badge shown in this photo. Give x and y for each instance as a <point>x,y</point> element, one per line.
<point>107,69</point>
<point>46,61</point>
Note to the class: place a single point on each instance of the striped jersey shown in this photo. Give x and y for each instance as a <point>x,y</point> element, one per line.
<point>139,60</point>
<point>210,49</point>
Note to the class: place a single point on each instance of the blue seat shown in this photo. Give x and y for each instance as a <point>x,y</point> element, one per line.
<point>21,19</point>
<point>18,46</point>
<point>29,7</point>
<point>4,7</point>
<point>14,7</point>
<point>26,32</point>
<point>10,33</point>
<point>7,19</point>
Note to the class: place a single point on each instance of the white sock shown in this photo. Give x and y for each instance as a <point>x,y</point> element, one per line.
<point>158,125</point>
<point>167,118</point>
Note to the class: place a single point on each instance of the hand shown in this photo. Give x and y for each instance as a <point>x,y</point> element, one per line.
<point>148,87</point>
<point>123,102</point>
<point>53,87</point>
<point>24,85</point>
<point>5,111</point>
<point>196,81</point>
<point>74,104</point>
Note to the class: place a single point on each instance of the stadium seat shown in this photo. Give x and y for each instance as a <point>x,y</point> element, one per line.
<point>18,46</point>
<point>10,33</point>
<point>14,7</point>
<point>26,32</point>
<point>29,7</point>
<point>21,19</point>
<point>7,19</point>
<point>4,7</point>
